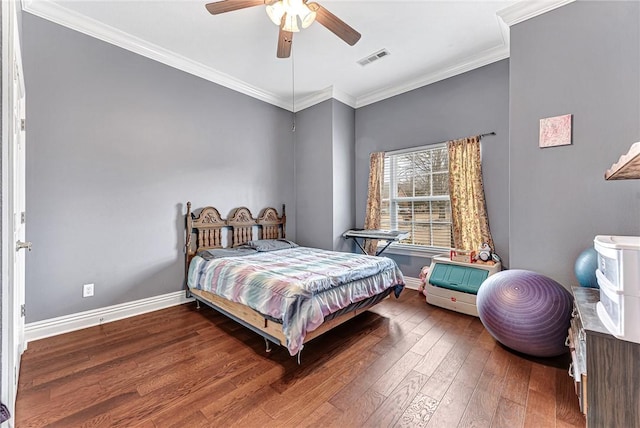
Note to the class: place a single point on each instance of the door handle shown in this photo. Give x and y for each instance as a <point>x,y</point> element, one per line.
<point>22,245</point>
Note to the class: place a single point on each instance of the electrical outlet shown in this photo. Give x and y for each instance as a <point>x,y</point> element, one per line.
<point>87,290</point>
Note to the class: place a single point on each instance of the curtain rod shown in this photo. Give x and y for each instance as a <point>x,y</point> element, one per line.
<point>410,149</point>
<point>487,134</point>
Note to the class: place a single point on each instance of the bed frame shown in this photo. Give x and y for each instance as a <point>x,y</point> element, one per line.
<point>209,230</point>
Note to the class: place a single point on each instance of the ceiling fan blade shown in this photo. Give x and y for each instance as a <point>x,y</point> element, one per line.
<point>285,38</point>
<point>229,5</point>
<point>334,24</point>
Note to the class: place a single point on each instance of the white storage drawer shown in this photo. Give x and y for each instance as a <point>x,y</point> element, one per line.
<point>620,313</point>
<point>619,262</point>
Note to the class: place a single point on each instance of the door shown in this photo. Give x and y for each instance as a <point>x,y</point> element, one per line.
<point>14,246</point>
<point>19,213</point>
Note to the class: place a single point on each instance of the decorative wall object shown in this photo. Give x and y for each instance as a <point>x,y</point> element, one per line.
<point>627,167</point>
<point>555,131</point>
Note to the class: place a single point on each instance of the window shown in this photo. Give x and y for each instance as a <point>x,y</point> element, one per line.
<point>415,196</point>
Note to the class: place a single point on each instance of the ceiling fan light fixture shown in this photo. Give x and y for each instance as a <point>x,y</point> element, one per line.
<point>308,18</point>
<point>293,11</point>
<point>289,15</point>
<point>290,23</point>
<point>294,7</point>
<point>276,11</point>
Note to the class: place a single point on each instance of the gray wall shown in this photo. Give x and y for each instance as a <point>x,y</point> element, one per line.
<point>324,145</point>
<point>344,203</point>
<point>469,104</point>
<point>117,144</point>
<point>313,176</point>
<point>583,59</point>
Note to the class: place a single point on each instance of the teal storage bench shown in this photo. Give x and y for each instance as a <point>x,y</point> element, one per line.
<point>454,285</point>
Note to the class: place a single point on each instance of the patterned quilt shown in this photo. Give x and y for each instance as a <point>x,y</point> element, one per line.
<point>298,286</point>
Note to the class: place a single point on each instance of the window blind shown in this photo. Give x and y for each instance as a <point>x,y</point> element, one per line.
<point>415,196</point>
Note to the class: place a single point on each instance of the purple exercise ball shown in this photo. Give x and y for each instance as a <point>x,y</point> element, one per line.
<point>526,311</point>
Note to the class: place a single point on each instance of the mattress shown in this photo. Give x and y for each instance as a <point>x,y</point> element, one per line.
<point>298,286</point>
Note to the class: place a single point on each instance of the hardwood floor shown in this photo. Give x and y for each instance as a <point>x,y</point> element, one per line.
<point>404,364</point>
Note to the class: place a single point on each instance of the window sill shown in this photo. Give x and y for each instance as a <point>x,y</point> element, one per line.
<point>409,250</point>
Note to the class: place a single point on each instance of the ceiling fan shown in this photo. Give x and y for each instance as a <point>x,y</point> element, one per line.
<point>288,15</point>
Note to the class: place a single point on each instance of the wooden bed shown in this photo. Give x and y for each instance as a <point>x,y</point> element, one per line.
<point>209,230</point>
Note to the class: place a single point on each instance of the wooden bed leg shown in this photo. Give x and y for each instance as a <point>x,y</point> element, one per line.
<point>267,345</point>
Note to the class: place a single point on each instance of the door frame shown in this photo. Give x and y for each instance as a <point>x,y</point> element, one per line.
<point>11,311</point>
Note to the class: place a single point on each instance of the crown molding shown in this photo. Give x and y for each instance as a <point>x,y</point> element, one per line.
<point>483,58</point>
<point>68,18</point>
<point>524,10</point>
<point>312,99</point>
<point>81,23</point>
<point>323,95</point>
<point>472,62</point>
<point>344,98</point>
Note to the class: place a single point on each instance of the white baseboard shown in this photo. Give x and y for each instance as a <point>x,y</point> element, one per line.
<point>67,323</point>
<point>411,283</point>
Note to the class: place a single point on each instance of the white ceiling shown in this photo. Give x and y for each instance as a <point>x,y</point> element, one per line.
<point>427,41</point>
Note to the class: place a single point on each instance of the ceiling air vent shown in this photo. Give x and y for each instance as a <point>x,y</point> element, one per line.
<point>373,57</point>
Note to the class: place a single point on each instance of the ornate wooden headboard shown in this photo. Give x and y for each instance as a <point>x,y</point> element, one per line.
<point>212,231</point>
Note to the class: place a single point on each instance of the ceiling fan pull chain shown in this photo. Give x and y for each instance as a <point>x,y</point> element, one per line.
<point>293,93</point>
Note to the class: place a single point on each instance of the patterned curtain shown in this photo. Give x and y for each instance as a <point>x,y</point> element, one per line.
<point>372,216</point>
<point>468,207</point>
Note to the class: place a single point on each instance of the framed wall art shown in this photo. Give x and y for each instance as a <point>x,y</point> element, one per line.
<point>555,131</point>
